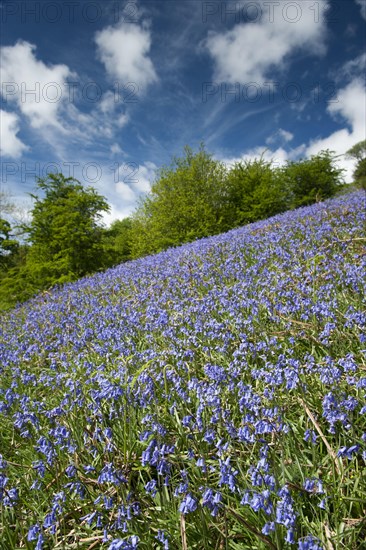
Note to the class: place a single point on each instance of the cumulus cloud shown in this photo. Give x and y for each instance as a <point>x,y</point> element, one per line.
<point>145,176</point>
<point>117,212</point>
<point>249,51</point>
<point>124,49</point>
<point>38,90</point>
<point>44,96</point>
<point>125,192</point>
<point>138,176</point>
<point>278,156</point>
<point>130,181</point>
<point>350,109</point>
<point>10,144</point>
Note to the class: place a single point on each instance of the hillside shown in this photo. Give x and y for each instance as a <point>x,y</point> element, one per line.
<point>209,397</point>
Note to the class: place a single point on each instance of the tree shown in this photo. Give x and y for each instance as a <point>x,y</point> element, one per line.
<point>312,180</point>
<point>65,234</point>
<point>8,245</point>
<point>117,242</point>
<point>359,174</point>
<point>256,191</point>
<point>189,200</point>
<point>358,152</point>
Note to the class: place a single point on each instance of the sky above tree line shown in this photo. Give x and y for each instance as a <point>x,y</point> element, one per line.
<point>109,91</point>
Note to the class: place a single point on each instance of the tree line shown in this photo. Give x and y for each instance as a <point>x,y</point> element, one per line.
<point>195,196</point>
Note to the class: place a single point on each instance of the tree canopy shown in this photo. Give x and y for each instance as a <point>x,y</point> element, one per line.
<point>358,152</point>
<point>187,201</point>
<point>65,233</point>
<point>255,191</point>
<point>8,245</point>
<point>311,180</point>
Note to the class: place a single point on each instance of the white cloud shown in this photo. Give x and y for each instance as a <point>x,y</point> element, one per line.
<point>249,51</point>
<point>351,69</point>
<point>133,180</point>
<point>280,135</point>
<point>351,108</point>
<point>116,149</point>
<point>278,156</point>
<point>124,49</point>
<point>108,102</point>
<point>42,94</point>
<point>117,213</point>
<point>362,4</point>
<point>145,176</point>
<point>125,192</point>
<point>11,146</point>
<point>39,90</point>
<point>139,176</point>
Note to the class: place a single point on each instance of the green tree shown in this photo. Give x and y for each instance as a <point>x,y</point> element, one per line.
<point>65,232</point>
<point>359,174</point>
<point>188,200</point>
<point>8,245</point>
<point>256,191</point>
<point>117,242</point>
<point>312,180</point>
<point>358,152</point>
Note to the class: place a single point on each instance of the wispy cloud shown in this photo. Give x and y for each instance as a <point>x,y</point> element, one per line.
<point>362,4</point>
<point>280,135</point>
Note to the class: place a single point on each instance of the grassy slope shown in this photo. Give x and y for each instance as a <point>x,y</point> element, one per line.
<point>211,396</point>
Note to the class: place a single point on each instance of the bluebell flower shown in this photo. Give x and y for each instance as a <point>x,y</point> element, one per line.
<point>109,474</point>
<point>227,474</point>
<point>161,537</point>
<point>125,544</point>
<point>89,517</point>
<point>187,420</point>
<point>200,462</point>
<point>33,532</point>
<point>50,520</point>
<point>150,487</point>
<point>40,541</point>
<point>268,528</point>
<point>212,500</point>
<point>311,436</point>
<point>188,504</point>
<point>285,512</point>
<point>9,497</point>
<point>290,536</point>
<point>348,452</point>
<point>309,543</point>
<point>313,485</point>
<point>70,471</point>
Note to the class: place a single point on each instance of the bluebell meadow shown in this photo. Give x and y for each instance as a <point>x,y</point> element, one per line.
<point>213,393</point>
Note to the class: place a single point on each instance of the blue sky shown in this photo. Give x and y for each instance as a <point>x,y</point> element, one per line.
<point>109,91</point>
